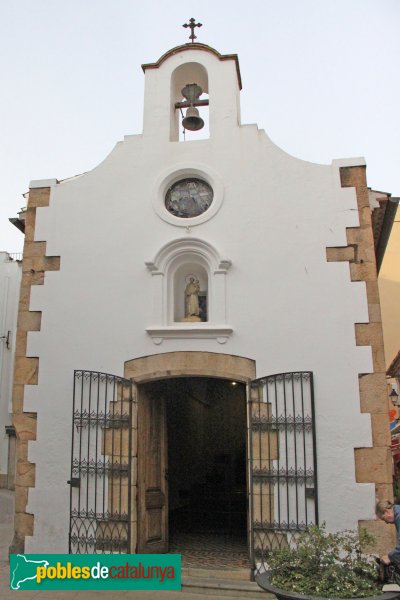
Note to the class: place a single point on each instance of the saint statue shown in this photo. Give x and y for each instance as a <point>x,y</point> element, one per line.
<point>192,290</point>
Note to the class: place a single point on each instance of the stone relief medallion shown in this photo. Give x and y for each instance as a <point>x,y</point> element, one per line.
<point>188,198</point>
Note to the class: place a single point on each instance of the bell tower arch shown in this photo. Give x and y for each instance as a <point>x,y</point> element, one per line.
<point>187,74</point>
<point>218,75</point>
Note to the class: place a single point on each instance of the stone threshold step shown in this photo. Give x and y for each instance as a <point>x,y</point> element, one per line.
<point>211,573</point>
<point>223,595</point>
<point>224,587</point>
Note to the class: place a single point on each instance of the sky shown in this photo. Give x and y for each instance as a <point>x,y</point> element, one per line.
<point>321,77</point>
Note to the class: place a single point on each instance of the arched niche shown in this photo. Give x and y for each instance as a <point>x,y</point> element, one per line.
<point>171,267</point>
<point>190,72</point>
<point>184,271</point>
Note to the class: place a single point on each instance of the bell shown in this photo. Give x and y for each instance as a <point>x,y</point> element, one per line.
<point>192,121</point>
<point>191,92</point>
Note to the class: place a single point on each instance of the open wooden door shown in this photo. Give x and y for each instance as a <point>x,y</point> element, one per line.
<point>152,474</point>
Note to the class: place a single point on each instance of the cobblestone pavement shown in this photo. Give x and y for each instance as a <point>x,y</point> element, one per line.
<point>6,535</point>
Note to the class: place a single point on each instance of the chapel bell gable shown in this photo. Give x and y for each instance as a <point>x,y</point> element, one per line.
<point>217,75</point>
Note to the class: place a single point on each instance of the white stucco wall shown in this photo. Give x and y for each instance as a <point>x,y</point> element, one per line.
<point>10,278</point>
<point>289,309</point>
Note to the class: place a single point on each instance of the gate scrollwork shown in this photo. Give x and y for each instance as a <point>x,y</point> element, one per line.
<point>103,444</point>
<point>283,461</point>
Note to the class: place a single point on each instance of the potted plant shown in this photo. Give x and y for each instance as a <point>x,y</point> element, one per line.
<point>324,565</point>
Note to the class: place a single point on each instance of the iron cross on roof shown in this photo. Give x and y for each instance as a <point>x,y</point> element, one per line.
<point>192,24</point>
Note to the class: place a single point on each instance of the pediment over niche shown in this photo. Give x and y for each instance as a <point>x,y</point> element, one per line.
<point>182,246</point>
<point>189,299</point>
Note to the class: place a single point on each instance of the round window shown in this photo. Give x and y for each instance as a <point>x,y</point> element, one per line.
<point>188,198</point>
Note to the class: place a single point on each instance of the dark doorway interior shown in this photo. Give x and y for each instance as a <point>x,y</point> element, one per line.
<point>206,424</point>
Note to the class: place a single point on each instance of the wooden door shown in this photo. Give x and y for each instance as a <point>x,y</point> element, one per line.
<point>152,471</point>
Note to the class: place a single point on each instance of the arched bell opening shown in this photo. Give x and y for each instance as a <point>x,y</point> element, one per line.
<point>189,103</point>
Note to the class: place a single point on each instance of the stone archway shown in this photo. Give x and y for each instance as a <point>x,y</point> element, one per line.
<point>190,364</point>
<point>149,506</point>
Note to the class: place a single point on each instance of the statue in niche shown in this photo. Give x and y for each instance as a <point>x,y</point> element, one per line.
<point>192,291</point>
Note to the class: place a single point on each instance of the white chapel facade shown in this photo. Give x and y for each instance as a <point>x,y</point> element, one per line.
<point>200,320</point>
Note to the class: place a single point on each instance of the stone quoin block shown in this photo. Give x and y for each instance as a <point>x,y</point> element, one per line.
<point>25,474</point>
<point>373,291</point>
<point>25,293</point>
<point>21,498</point>
<point>23,524</point>
<point>22,451</point>
<point>368,333</point>
<point>384,491</point>
<point>380,429</point>
<point>363,271</point>
<point>29,320</point>
<point>373,393</point>
<point>373,465</point>
<point>26,370</point>
<point>18,398</point>
<point>21,339</point>
<point>30,221</point>
<point>39,197</point>
<point>34,249</point>
<point>344,253</point>
<point>25,426</point>
<point>374,313</point>
<point>384,535</point>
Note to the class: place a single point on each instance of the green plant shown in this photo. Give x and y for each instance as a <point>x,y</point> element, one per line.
<point>330,565</point>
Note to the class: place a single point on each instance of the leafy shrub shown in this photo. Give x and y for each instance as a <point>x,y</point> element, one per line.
<point>330,565</point>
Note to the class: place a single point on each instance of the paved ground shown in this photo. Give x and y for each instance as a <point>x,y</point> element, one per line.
<point>6,535</point>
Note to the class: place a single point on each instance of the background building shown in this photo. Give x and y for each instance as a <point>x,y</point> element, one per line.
<point>10,279</point>
<point>389,290</point>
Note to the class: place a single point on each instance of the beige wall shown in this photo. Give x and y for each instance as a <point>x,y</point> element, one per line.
<point>389,289</point>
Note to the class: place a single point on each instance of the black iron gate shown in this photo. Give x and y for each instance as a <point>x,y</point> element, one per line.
<point>103,428</point>
<point>283,466</point>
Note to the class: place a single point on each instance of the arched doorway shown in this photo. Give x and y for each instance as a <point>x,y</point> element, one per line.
<point>120,498</point>
<point>192,447</point>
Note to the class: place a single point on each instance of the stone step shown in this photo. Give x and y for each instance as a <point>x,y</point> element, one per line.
<point>217,573</point>
<point>229,588</point>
